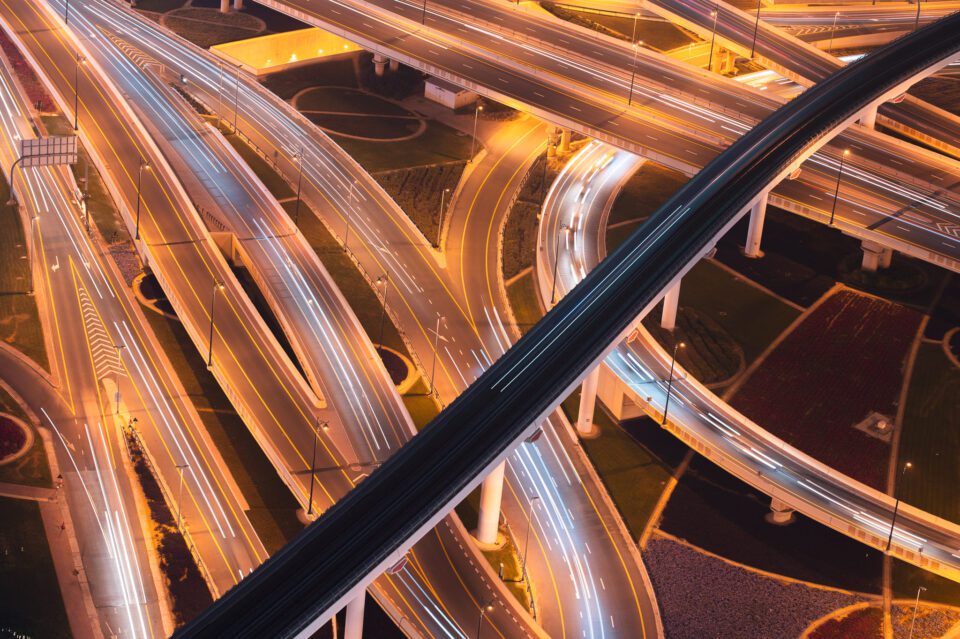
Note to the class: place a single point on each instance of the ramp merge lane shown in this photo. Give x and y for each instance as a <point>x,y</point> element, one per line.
<point>300,587</point>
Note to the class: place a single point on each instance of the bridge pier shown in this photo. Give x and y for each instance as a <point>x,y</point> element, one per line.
<point>488,519</point>
<point>394,65</point>
<point>224,6</point>
<point>379,64</point>
<point>564,141</point>
<point>588,403</point>
<point>780,513</point>
<point>871,256</point>
<point>886,258</point>
<point>868,117</point>
<point>755,231</point>
<point>353,626</point>
<point>671,300</point>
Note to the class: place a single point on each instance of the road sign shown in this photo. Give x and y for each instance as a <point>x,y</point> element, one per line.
<point>49,151</point>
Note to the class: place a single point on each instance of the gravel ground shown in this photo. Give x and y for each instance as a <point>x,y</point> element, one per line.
<point>701,597</point>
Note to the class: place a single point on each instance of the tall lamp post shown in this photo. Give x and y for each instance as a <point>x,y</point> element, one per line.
<point>756,30</point>
<point>385,281</point>
<point>896,505</point>
<point>836,191</point>
<point>633,71</point>
<point>476,118</point>
<point>180,467</point>
<point>916,604</point>
<point>833,31</point>
<point>916,23</point>
<point>143,165</point>
<point>556,262</point>
<point>236,100</point>
<point>436,347</point>
<point>673,362</point>
<point>325,426</point>
<point>484,609</point>
<point>66,12</point>
<point>296,209</point>
<point>526,543</point>
<point>713,38</point>
<point>79,60</point>
<point>443,196</point>
<point>217,286</point>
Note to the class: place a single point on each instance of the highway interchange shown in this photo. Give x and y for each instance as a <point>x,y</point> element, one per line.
<point>456,286</point>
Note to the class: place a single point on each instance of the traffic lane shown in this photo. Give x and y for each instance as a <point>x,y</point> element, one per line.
<point>115,139</point>
<point>464,569</point>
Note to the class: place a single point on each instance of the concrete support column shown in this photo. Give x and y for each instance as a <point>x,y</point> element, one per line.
<point>379,64</point>
<point>780,513</point>
<point>564,141</point>
<point>670,303</point>
<point>871,256</point>
<point>224,6</point>
<point>869,118</point>
<point>353,626</point>
<point>491,492</point>
<point>588,402</point>
<point>394,65</point>
<point>886,258</point>
<point>237,5</point>
<point>755,231</point>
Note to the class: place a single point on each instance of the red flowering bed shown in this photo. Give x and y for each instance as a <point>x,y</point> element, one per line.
<point>12,437</point>
<point>843,361</point>
<point>28,79</point>
<point>865,623</point>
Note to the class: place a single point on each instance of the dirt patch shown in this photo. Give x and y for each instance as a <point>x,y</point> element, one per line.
<point>396,367</point>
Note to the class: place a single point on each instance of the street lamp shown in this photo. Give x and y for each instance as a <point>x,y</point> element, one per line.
<point>436,347</point>
<point>836,191</point>
<point>443,196</point>
<point>321,424</point>
<point>296,210</point>
<point>896,505</point>
<point>220,94</point>
<point>713,38</point>
<point>180,467</point>
<point>143,165</point>
<point>78,60</point>
<point>833,30</point>
<point>526,543</point>
<point>356,203</point>
<point>473,141</point>
<point>385,281</point>
<point>484,609</point>
<point>673,361</point>
<point>756,29</point>
<point>916,604</point>
<point>916,23</point>
<point>556,262</point>
<point>116,397</point>
<point>236,100</point>
<point>633,72</point>
<point>32,250</point>
<point>217,286</point>
<point>66,12</point>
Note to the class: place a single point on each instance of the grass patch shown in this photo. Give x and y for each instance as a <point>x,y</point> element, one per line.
<point>422,407</point>
<point>522,295</point>
<point>347,100</point>
<point>270,178</point>
<point>508,560</point>
<point>751,316</point>
<point>380,129</point>
<point>208,27</point>
<point>642,194</point>
<point>420,192</point>
<point>338,72</point>
<point>438,144</point>
<point>907,578</point>
<point>20,324</point>
<point>632,474</point>
<point>32,469</point>
<point>272,507</point>
<point>930,438</point>
<point>32,604</point>
<point>158,6</point>
<point>656,34</point>
<point>710,353</point>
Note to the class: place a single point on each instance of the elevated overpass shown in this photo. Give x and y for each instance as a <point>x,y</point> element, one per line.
<point>681,122</point>
<point>300,587</point>
<point>638,370</point>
